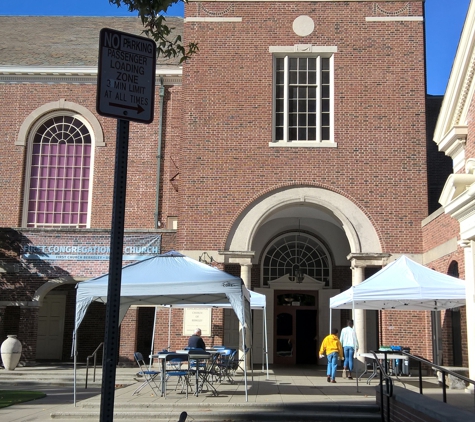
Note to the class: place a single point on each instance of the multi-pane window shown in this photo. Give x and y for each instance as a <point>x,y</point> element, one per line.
<point>59,182</point>
<point>296,254</point>
<point>303,89</point>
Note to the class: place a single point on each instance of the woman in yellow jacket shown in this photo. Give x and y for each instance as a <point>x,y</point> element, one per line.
<point>331,347</point>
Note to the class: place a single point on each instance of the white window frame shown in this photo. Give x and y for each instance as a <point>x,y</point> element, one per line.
<point>32,132</point>
<point>303,51</point>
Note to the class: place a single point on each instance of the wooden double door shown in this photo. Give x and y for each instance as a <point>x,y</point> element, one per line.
<point>295,328</point>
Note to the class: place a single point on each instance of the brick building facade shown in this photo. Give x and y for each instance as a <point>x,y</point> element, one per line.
<point>293,153</point>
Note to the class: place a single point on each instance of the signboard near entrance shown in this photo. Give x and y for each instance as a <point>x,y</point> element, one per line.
<point>126,77</point>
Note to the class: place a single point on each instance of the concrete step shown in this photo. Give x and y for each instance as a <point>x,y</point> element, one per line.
<point>230,412</point>
<point>62,378</point>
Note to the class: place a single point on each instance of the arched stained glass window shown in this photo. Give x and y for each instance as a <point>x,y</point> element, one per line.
<point>60,170</point>
<point>296,254</point>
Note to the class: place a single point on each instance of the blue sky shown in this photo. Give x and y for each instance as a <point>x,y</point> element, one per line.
<point>444,21</point>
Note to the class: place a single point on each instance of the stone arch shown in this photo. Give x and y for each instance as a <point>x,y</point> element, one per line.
<point>98,134</point>
<point>361,234</point>
<point>50,285</point>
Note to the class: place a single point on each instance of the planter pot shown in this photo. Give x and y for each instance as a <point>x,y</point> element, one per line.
<point>11,352</point>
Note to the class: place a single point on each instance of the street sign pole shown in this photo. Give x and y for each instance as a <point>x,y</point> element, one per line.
<point>111,339</point>
<point>126,91</point>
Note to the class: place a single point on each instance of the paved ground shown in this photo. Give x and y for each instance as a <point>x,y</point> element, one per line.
<point>284,385</point>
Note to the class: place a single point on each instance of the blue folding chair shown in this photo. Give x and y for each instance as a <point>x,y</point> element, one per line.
<point>174,368</point>
<point>226,364</point>
<point>147,374</point>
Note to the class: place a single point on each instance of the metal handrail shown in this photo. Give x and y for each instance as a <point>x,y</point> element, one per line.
<point>94,355</point>
<point>420,360</point>
<point>388,384</point>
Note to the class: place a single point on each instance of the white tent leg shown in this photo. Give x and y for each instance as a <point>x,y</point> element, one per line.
<point>245,360</point>
<point>150,364</point>
<point>75,362</point>
<point>266,345</point>
<point>169,327</point>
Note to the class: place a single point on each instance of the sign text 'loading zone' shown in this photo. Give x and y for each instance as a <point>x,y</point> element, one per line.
<point>126,82</point>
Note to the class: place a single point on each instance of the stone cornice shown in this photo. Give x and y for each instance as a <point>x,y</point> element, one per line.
<point>460,88</point>
<point>73,75</point>
<point>363,260</point>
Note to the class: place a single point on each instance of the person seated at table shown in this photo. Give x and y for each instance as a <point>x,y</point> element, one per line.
<point>195,341</point>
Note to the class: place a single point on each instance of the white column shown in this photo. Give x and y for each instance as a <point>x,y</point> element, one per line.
<point>469,253</point>
<point>359,316</point>
<point>246,278</point>
<point>246,274</point>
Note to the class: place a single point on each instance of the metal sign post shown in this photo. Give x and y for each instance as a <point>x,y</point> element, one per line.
<point>111,343</point>
<point>126,91</point>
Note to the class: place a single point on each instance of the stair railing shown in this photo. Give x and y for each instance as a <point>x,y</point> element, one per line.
<point>94,355</point>
<point>420,360</point>
<point>385,386</point>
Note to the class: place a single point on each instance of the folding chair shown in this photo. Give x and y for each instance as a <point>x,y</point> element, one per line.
<point>239,364</point>
<point>226,363</point>
<point>148,375</point>
<point>174,369</point>
<point>202,365</point>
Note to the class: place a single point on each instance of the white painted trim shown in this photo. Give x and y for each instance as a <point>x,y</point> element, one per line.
<point>211,19</point>
<point>304,48</point>
<point>73,75</point>
<point>460,88</point>
<point>455,185</point>
<point>61,105</point>
<point>45,288</point>
<point>360,232</point>
<point>394,19</point>
<point>30,126</point>
<point>446,248</point>
<point>303,144</point>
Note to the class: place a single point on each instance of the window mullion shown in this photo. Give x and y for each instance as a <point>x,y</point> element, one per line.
<point>286,99</point>
<point>319,99</point>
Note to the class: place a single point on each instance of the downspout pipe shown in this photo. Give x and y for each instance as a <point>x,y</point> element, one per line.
<point>159,152</point>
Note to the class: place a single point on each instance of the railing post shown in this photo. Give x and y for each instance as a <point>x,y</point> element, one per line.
<point>94,374</point>
<point>87,370</point>
<point>444,387</point>
<point>419,364</point>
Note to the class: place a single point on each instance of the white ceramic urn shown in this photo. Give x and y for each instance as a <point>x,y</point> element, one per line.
<point>11,352</point>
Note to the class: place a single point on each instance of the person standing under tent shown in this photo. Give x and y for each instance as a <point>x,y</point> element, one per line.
<point>349,341</point>
<point>331,347</point>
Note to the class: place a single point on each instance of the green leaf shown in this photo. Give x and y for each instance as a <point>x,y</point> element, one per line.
<point>155,26</point>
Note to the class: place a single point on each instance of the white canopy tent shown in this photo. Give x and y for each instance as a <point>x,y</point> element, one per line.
<point>403,285</point>
<point>168,279</point>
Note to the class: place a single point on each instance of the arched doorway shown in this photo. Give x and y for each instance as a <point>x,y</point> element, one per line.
<point>326,226</point>
<point>296,256</point>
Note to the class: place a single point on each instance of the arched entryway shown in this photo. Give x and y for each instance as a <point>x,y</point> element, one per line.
<point>297,240</point>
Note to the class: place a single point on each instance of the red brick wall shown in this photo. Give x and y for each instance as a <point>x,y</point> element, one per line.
<point>128,336</point>
<point>143,148</point>
<point>379,118</point>
<point>438,231</point>
<point>177,340</point>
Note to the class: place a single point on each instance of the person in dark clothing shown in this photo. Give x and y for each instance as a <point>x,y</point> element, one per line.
<point>195,341</point>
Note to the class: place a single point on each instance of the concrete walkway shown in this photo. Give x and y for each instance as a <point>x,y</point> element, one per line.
<point>293,386</point>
